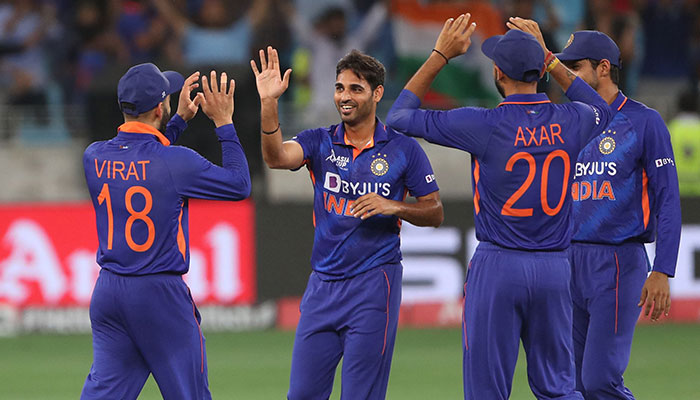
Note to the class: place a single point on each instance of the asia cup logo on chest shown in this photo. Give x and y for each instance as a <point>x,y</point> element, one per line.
<point>379,165</point>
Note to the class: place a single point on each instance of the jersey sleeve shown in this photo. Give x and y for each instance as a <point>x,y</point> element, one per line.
<point>420,179</point>
<point>308,140</point>
<point>594,112</point>
<point>660,168</point>
<point>196,177</point>
<point>174,128</point>
<point>462,128</point>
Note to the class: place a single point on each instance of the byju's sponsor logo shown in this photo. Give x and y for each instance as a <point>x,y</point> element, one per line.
<point>660,162</point>
<point>430,178</point>
<point>334,183</point>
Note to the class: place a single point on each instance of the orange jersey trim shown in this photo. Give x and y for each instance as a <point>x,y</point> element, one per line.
<point>355,151</point>
<point>140,127</point>
<point>476,186</point>
<point>623,103</point>
<point>645,198</point>
<point>181,236</point>
<point>525,102</point>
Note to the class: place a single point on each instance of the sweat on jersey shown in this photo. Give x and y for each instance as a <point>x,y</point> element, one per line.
<point>140,186</point>
<point>391,165</point>
<point>626,185</point>
<point>523,158</point>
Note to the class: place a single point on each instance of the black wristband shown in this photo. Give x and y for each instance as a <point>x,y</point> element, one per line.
<point>447,61</point>
<point>270,132</point>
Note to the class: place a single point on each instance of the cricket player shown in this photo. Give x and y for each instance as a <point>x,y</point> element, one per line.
<point>361,171</point>
<point>143,317</point>
<point>625,194</point>
<point>523,159</point>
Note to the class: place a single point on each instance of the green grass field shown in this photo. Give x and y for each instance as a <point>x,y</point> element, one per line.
<point>255,365</point>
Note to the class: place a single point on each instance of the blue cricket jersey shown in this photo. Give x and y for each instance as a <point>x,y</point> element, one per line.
<point>523,158</point>
<point>626,185</point>
<point>391,165</point>
<point>140,186</point>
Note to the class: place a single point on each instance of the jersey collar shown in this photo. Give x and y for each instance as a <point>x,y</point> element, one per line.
<point>530,98</point>
<point>380,134</point>
<point>619,102</point>
<point>140,127</point>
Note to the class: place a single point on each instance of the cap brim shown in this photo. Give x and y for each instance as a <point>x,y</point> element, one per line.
<point>175,80</point>
<point>489,45</point>
<point>569,56</point>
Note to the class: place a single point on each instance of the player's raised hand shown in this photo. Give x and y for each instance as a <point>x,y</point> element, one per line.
<point>372,204</point>
<point>187,107</point>
<point>529,26</point>
<point>656,292</point>
<point>217,99</point>
<point>455,37</point>
<point>268,79</point>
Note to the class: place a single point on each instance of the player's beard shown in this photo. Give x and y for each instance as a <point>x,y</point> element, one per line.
<point>164,121</point>
<point>362,111</point>
<point>499,87</point>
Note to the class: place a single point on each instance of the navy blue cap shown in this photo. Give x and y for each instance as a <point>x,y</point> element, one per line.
<point>144,86</point>
<point>518,54</point>
<point>590,44</point>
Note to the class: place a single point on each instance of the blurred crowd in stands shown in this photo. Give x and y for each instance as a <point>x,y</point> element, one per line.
<point>72,52</point>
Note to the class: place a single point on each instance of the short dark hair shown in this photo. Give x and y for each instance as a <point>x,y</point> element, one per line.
<point>614,71</point>
<point>364,66</point>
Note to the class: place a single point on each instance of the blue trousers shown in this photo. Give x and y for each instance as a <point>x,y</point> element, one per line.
<point>142,325</point>
<point>513,295</point>
<point>606,285</point>
<point>354,318</point>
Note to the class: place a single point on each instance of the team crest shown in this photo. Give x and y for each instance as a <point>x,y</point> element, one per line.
<point>607,145</point>
<point>379,166</point>
<point>571,39</point>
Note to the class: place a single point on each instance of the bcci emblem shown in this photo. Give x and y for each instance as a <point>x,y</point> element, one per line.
<point>379,166</point>
<point>571,39</point>
<point>607,145</point>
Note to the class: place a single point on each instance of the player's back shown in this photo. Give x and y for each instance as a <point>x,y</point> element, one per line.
<point>522,178</point>
<point>138,210</point>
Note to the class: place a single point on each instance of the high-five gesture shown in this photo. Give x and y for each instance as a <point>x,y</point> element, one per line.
<point>187,107</point>
<point>455,37</point>
<point>269,80</point>
<point>217,101</point>
<point>529,26</point>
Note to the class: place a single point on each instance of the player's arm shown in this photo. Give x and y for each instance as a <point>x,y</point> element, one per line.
<point>426,211</point>
<point>186,108</point>
<point>665,198</point>
<point>271,85</point>
<point>420,182</point>
<point>464,128</point>
<point>198,177</point>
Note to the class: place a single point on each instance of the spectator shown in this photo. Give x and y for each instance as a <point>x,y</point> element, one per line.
<point>141,29</point>
<point>23,69</point>
<point>220,33</point>
<point>328,41</point>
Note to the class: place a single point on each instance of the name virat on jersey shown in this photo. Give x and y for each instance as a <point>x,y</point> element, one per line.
<point>135,169</point>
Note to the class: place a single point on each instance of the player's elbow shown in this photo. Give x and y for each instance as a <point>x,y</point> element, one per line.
<point>394,119</point>
<point>273,161</point>
<point>439,215</point>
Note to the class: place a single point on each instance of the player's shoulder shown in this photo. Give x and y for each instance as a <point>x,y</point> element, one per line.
<point>177,153</point>
<point>94,148</point>
<point>637,109</point>
<point>401,140</point>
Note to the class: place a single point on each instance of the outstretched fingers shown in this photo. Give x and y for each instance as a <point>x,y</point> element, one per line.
<point>231,88</point>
